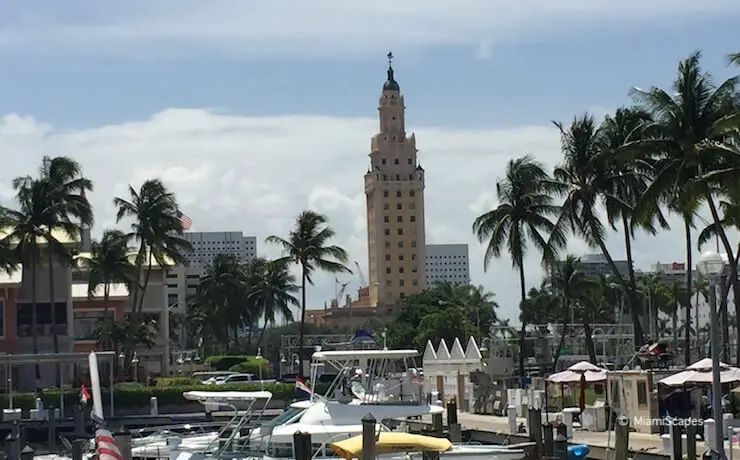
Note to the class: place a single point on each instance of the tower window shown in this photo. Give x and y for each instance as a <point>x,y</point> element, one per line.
<point>403,294</point>
<point>388,270</point>
<point>398,194</point>
<point>398,177</point>
<point>386,206</point>
<point>412,193</point>
<point>411,177</point>
<point>387,232</point>
<point>395,161</point>
<point>415,282</point>
<point>400,257</point>
<point>387,244</point>
<point>413,218</point>
<point>385,193</point>
<point>386,219</point>
<point>413,244</point>
<point>414,269</point>
<point>385,176</point>
<point>400,231</point>
<point>388,283</point>
<point>400,244</point>
<point>399,219</point>
<point>382,161</point>
<point>399,206</point>
<point>413,256</point>
<point>400,283</point>
<point>400,269</point>
<point>411,161</point>
<point>393,118</point>
<point>388,257</point>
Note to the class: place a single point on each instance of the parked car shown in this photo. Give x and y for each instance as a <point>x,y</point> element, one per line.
<point>235,378</point>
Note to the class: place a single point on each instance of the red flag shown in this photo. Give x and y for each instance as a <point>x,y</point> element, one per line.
<point>84,395</point>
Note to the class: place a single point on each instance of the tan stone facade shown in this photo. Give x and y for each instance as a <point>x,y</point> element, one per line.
<point>394,188</point>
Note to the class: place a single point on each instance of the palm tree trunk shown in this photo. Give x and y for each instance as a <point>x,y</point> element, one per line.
<point>561,344</point>
<point>590,347</point>
<point>523,331</point>
<point>35,317</point>
<point>674,325</point>
<point>262,334</point>
<point>631,296</point>
<point>630,269</point>
<point>689,286</point>
<point>52,303</point>
<point>696,326</point>
<point>302,326</point>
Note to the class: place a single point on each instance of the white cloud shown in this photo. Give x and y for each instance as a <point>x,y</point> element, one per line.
<point>256,174</point>
<point>303,27</point>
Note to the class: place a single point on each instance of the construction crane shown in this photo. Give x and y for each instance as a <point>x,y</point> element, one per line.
<point>341,287</point>
<point>359,273</point>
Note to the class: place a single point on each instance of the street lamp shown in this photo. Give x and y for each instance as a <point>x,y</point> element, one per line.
<point>135,364</point>
<point>710,266</point>
<point>259,359</point>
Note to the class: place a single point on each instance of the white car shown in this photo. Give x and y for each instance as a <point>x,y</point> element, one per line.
<point>235,378</point>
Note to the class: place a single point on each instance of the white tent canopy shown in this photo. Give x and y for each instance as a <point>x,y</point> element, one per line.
<point>575,372</point>
<point>700,373</point>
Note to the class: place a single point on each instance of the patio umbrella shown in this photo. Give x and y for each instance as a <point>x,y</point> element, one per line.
<point>700,373</point>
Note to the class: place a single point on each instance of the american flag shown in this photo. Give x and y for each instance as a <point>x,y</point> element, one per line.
<point>185,221</point>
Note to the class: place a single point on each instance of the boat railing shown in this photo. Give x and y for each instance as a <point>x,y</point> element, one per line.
<point>236,424</point>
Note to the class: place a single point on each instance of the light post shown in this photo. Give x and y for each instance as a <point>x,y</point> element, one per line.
<point>710,265</point>
<point>259,359</point>
<point>135,364</point>
<point>384,334</point>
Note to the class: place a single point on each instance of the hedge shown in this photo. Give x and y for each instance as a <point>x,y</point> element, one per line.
<point>138,396</point>
<point>224,362</point>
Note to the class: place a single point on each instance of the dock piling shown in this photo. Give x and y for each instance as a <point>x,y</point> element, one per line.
<point>302,443</point>
<point>368,436</point>
<point>676,442</point>
<point>548,439</point>
<point>454,426</point>
<point>51,428</point>
<point>78,446</point>
<point>123,440</point>
<point>691,432</point>
<point>79,420</point>
<point>622,439</point>
<point>27,453</point>
<point>560,443</point>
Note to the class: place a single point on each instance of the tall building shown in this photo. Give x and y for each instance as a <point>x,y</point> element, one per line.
<point>206,245</point>
<point>394,189</point>
<point>447,262</point>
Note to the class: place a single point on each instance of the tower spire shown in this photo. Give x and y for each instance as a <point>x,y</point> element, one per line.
<point>390,83</point>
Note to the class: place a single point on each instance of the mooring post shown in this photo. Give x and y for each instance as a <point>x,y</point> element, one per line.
<point>691,432</point>
<point>123,440</point>
<point>676,444</point>
<point>79,421</point>
<point>78,446</point>
<point>368,436</point>
<point>52,428</point>
<point>560,444</point>
<point>12,448</point>
<point>452,423</point>
<point>437,424</point>
<point>302,445</point>
<point>548,439</point>
<point>27,453</point>
<point>535,430</point>
<point>622,439</point>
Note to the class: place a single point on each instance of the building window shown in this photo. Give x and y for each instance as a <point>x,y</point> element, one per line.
<point>400,269</point>
<point>387,231</point>
<point>387,244</point>
<point>642,400</point>
<point>414,269</point>
<point>385,176</point>
<point>385,193</point>
<point>382,161</point>
<point>399,206</point>
<point>388,270</point>
<point>388,257</point>
<point>413,218</point>
<point>411,177</point>
<point>398,194</point>
<point>400,244</point>
<point>24,319</point>
<point>400,231</point>
<point>172,300</point>
<point>415,282</point>
<point>413,244</point>
<point>412,205</point>
<point>386,219</point>
<point>396,160</point>
<point>386,206</point>
<point>388,283</point>
<point>412,193</point>
<point>411,161</point>
<point>399,219</point>
<point>400,257</point>
<point>401,283</point>
<point>402,295</point>
<point>413,256</point>
<point>86,323</point>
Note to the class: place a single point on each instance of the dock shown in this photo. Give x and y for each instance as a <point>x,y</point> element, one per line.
<point>491,429</point>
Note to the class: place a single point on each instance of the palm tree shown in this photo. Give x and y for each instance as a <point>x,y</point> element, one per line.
<point>158,231</point>
<point>308,246</point>
<point>8,262</point>
<point>734,58</point>
<point>272,292</point>
<point>108,263</point>
<point>223,289</point>
<point>688,142</point>
<point>521,215</point>
<point>583,179</point>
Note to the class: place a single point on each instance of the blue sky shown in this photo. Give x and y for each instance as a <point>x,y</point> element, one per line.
<point>482,81</point>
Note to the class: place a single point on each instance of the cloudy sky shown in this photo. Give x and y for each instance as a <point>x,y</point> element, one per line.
<point>252,110</point>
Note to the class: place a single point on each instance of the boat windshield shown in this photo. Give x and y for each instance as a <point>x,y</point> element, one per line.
<point>288,415</point>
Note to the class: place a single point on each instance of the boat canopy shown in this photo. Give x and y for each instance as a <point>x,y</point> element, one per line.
<point>226,396</point>
<point>390,442</point>
<point>346,355</point>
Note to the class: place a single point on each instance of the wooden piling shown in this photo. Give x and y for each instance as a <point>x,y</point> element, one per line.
<point>368,436</point>
<point>302,446</point>
<point>676,444</point>
<point>622,439</point>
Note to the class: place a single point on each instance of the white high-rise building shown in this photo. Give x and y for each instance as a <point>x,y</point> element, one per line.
<point>447,262</point>
<point>182,281</point>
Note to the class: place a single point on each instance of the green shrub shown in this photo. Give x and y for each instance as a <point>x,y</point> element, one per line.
<point>252,367</point>
<point>134,395</point>
<point>225,362</point>
<point>177,381</point>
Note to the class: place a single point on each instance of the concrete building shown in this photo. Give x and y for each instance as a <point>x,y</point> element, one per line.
<point>596,265</point>
<point>183,281</point>
<point>675,271</point>
<point>447,262</point>
<point>394,189</point>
